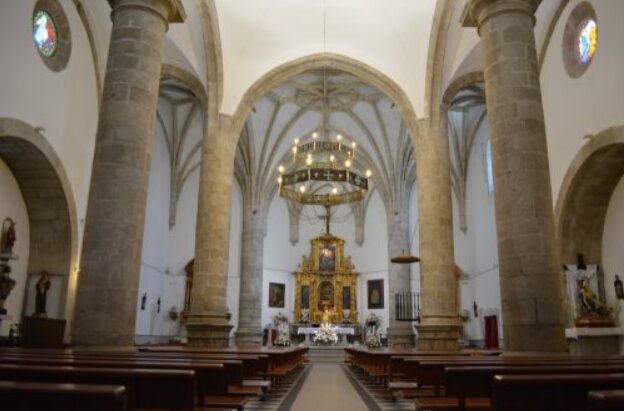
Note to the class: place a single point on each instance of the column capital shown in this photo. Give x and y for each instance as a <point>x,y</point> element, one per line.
<point>171,10</point>
<point>478,11</point>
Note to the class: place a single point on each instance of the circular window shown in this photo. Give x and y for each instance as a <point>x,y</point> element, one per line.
<point>50,34</point>
<point>44,33</point>
<point>580,39</point>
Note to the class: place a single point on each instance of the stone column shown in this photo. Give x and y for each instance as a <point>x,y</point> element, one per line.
<point>208,321</point>
<point>106,300</point>
<point>439,326</point>
<point>529,270</point>
<point>400,333</point>
<point>249,332</point>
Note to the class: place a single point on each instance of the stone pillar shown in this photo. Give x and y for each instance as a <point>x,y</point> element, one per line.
<point>208,321</point>
<point>106,300</point>
<point>529,270</point>
<point>439,326</point>
<point>400,333</point>
<point>249,332</point>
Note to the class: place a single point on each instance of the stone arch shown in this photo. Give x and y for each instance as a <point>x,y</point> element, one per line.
<point>185,77</point>
<point>585,194</point>
<point>49,202</point>
<point>467,80</point>
<point>364,72</point>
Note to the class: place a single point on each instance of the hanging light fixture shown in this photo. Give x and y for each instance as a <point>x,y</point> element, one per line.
<point>406,258</point>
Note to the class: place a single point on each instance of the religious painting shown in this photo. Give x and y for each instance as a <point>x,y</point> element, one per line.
<point>327,258</point>
<point>326,295</point>
<point>346,298</point>
<point>305,296</point>
<point>375,294</point>
<point>276,295</point>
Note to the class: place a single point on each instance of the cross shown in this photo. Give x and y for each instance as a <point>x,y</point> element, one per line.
<point>327,217</point>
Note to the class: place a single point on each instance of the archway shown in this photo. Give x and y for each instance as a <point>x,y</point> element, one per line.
<point>585,195</point>
<point>50,206</point>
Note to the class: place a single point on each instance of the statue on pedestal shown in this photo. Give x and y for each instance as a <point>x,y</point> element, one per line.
<point>42,287</point>
<point>8,236</point>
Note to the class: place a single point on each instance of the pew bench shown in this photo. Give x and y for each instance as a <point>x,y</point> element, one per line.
<point>35,396</point>
<point>557,392</point>
<point>612,400</point>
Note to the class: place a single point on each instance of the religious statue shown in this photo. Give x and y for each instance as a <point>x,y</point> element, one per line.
<point>590,305</point>
<point>8,236</point>
<point>6,286</point>
<point>42,287</point>
<point>326,316</point>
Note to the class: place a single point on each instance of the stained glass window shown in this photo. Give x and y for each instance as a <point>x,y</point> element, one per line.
<point>489,170</point>
<point>587,40</point>
<point>44,33</point>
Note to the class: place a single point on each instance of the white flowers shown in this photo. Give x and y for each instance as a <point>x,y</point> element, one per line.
<point>326,334</point>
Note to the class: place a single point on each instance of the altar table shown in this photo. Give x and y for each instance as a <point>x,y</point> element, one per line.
<point>341,331</point>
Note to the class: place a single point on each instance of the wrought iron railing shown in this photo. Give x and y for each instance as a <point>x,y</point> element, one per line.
<point>407,306</point>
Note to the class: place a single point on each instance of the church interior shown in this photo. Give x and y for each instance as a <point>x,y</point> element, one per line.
<point>295,205</point>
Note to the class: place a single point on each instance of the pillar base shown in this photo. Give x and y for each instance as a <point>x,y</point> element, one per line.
<point>433,337</point>
<point>401,337</point>
<point>248,337</point>
<point>208,330</point>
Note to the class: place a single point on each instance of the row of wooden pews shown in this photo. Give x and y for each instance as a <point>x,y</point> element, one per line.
<point>159,378</point>
<point>484,381</point>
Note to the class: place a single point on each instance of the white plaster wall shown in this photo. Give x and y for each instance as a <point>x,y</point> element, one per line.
<point>590,103</point>
<point>154,264</point>
<point>13,206</point>
<point>476,251</point>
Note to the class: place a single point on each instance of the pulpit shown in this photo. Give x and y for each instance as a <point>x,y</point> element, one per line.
<point>326,284</point>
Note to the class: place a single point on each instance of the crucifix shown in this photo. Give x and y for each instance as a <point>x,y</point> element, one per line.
<point>327,217</point>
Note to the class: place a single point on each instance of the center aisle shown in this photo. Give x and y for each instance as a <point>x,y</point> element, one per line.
<point>328,388</point>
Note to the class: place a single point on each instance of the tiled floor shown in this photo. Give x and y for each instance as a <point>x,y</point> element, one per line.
<point>327,388</point>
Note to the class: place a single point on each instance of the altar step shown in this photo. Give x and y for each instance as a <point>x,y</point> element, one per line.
<point>326,355</point>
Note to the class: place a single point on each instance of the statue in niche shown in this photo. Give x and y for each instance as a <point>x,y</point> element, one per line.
<point>590,305</point>
<point>41,288</point>
<point>8,236</point>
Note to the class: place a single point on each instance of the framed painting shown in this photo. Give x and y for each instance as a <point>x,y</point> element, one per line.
<point>276,295</point>
<point>327,258</point>
<point>375,294</point>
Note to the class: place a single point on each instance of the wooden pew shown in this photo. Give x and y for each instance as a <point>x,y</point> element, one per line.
<point>212,378</point>
<point>558,392</point>
<point>39,396</point>
<point>146,389</point>
<point>612,400</point>
<point>465,385</point>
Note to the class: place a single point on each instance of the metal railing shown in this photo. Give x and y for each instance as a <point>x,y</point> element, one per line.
<point>407,306</point>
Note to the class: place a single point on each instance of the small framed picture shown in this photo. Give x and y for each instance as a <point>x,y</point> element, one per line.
<point>375,294</point>
<point>276,295</point>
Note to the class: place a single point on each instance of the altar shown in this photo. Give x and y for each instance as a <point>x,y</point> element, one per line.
<point>326,285</point>
<point>341,331</point>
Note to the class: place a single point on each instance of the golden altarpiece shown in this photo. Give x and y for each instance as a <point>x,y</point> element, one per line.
<point>326,284</point>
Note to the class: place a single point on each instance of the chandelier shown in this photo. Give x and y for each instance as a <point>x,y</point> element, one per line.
<point>323,160</point>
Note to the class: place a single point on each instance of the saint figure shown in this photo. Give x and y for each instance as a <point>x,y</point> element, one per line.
<point>8,236</point>
<point>42,287</point>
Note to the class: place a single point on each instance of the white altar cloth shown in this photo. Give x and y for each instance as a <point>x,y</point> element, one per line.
<point>337,330</point>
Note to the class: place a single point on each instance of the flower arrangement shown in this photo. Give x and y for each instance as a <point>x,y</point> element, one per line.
<point>372,324</point>
<point>280,321</point>
<point>325,334</point>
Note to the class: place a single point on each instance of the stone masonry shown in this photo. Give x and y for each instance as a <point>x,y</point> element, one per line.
<point>113,237</point>
<point>249,331</point>
<point>439,326</point>
<point>208,322</point>
<point>529,274</point>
